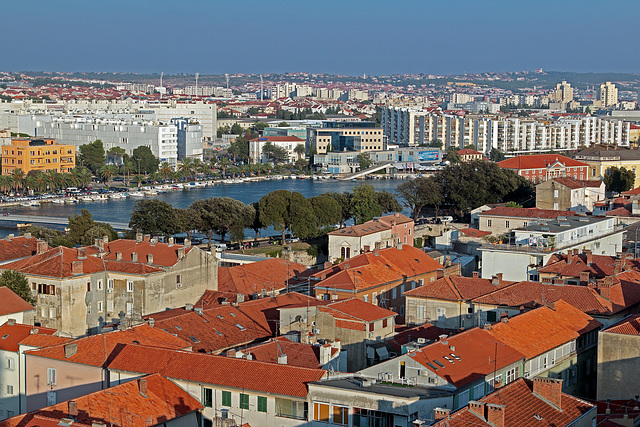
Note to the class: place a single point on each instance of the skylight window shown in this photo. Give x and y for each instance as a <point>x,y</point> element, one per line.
<point>438,363</point>
<point>220,316</point>
<point>242,328</point>
<point>194,339</point>
<point>178,328</point>
<point>432,367</point>
<point>219,333</point>
<point>4,337</point>
<point>233,314</point>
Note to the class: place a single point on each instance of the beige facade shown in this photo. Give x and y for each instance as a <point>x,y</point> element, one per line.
<point>618,364</point>
<point>559,195</point>
<point>608,95</point>
<point>600,161</point>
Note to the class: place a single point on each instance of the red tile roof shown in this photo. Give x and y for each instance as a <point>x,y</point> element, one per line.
<point>526,212</point>
<point>475,353</point>
<point>456,288</point>
<point>298,354</point>
<point>540,330</point>
<point>216,370</point>
<point>630,325</point>
<point>121,405</point>
<point>359,309</point>
<point>17,247</point>
<point>369,270</point>
<point>360,230</point>
<point>474,232</point>
<point>58,262</point>
<point>94,350</point>
<point>12,335</point>
<point>164,255</point>
<point>538,161</point>
<point>249,279</point>
<point>397,218</point>
<point>11,303</point>
<point>468,151</point>
<point>598,266</point>
<point>522,407</point>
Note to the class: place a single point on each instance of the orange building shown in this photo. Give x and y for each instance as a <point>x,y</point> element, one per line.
<point>37,154</point>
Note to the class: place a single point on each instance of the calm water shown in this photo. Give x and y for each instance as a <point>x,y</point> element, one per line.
<point>120,210</point>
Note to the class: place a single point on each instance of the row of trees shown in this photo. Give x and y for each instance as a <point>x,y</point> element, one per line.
<point>94,157</point>
<point>39,181</point>
<point>284,210</point>
<point>465,186</point>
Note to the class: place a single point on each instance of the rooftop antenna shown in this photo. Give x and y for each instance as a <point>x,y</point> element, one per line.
<point>226,76</point>
<point>261,88</point>
<point>197,75</point>
<point>161,75</point>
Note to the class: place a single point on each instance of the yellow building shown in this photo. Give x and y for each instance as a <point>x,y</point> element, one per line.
<point>600,160</point>
<point>37,154</point>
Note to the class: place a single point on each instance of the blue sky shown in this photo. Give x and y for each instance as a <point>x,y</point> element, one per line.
<point>340,37</point>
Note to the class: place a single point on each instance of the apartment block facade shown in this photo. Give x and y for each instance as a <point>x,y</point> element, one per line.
<point>37,155</point>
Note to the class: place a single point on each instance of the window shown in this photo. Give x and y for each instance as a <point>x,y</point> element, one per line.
<point>384,323</point>
<point>340,415</point>
<point>51,376</point>
<point>88,308</point>
<point>51,398</point>
<point>488,223</point>
<point>511,375</point>
<point>207,397</point>
<point>440,314</point>
<point>506,224</point>
<point>10,363</point>
<point>365,298</point>
<point>110,284</point>
<point>129,308</point>
<point>291,408</point>
<point>374,298</point>
<point>179,278</point>
<point>244,401</point>
<point>88,286</point>
<point>262,404</point>
<point>555,193</point>
<point>478,391</point>
<point>99,306</point>
<point>393,293</point>
<point>491,316</point>
<point>321,412</point>
<point>109,305</point>
<point>129,286</point>
<point>226,398</point>
<point>52,312</point>
<point>99,284</point>
<point>421,312</point>
<point>9,390</point>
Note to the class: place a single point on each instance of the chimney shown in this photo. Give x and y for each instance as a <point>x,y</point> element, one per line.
<point>323,276</point>
<point>42,247</point>
<point>27,235</point>
<point>495,414</point>
<point>584,278</point>
<point>70,350</point>
<point>149,258</point>
<point>282,359</point>
<point>589,257</point>
<point>477,408</point>
<point>153,241</point>
<point>240,298</point>
<point>617,266</point>
<point>326,265</point>
<point>33,331</point>
<point>76,267</point>
<point>142,385</point>
<point>73,408</point>
<point>134,256</point>
<point>10,236</point>
<point>558,281</point>
<point>399,246</point>
<point>604,287</point>
<point>188,307</point>
<point>118,256</point>
<point>11,321</point>
<point>346,265</point>
<point>439,273</point>
<point>138,237</point>
<point>146,237</point>
<point>187,243</point>
<point>476,274</point>
<point>151,322</point>
<point>496,279</point>
<point>441,413</point>
<point>99,243</point>
<point>171,241</point>
<point>181,253</point>
<point>549,389</point>
<point>82,252</point>
<point>376,251</point>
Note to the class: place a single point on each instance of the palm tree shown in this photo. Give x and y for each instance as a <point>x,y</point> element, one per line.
<point>299,150</point>
<point>82,176</point>
<point>166,170</point>
<point>107,172</point>
<point>197,166</point>
<point>6,183</point>
<point>52,178</point>
<point>18,176</point>
<point>222,164</point>
<point>186,168</point>
<point>138,179</point>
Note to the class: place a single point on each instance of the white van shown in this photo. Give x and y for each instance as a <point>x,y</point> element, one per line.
<point>220,247</point>
<point>447,219</point>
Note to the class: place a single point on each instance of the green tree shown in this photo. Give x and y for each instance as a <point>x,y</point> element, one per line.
<point>92,155</point>
<point>115,155</point>
<point>514,205</point>
<point>18,283</point>
<point>344,201</point>
<point>53,237</point>
<point>299,150</point>
<point>260,126</point>
<point>107,172</point>
<point>83,230</point>
<point>436,143</point>
<point>364,160</point>
<point>415,193</point>
<point>239,149</point>
<point>496,155</point>
<point>237,129</point>
<point>387,201</point>
<point>144,158</point>
<point>283,125</point>
<point>97,231</point>
<point>364,205</point>
<point>220,215</point>
<point>256,222</point>
<point>619,179</point>
<point>286,210</point>
<point>452,156</point>
<point>275,153</point>
<point>154,217</point>
<point>82,176</point>
<point>327,210</point>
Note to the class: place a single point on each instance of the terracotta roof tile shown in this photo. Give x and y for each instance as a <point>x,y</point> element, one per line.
<point>455,288</point>
<point>11,303</point>
<point>538,161</point>
<point>523,407</point>
<point>473,232</point>
<point>526,212</point>
<point>216,370</point>
<point>17,247</point>
<point>95,350</point>
<point>630,325</point>
<point>249,279</point>
<point>544,328</point>
<point>472,354</point>
<point>298,354</point>
<point>163,400</point>
<point>360,310</point>
<point>164,255</point>
<point>12,335</point>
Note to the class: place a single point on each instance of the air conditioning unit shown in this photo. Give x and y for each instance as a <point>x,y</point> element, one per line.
<point>422,340</point>
<point>179,285</point>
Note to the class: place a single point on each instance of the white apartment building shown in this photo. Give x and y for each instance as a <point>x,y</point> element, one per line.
<point>288,143</point>
<point>416,126</point>
<point>608,95</point>
<point>113,132</point>
<point>189,139</point>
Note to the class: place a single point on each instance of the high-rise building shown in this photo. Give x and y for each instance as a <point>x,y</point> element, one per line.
<point>608,94</point>
<point>37,154</point>
<point>563,93</point>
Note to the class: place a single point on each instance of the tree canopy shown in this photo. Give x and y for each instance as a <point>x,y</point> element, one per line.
<point>142,156</point>
<point>327,210</point>
<point>91,155</point>
<point>83,230</point>
<point>619,179</point>
<point>154,217</point>
<point>364,204</point>
<point>222,215</point>
<point>18,283</point>
<point>274,153</point>
<point>287,210</point>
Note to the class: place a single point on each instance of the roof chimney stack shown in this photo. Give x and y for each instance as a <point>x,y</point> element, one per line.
<point>181,253</point>
<point>142,384</point>
<point>495,414</point>
<point>73,408</point>
<point>138,237</point>
<point>187,243</point>
<point>70,350</point>
<point>42,247</point>
<point>171,241</point>
<point>82,252</point>
<point>441,413</point>
<point>476,274</point>
<point>76,267</point>
<point>282,359</point>
<point>549,389</point>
